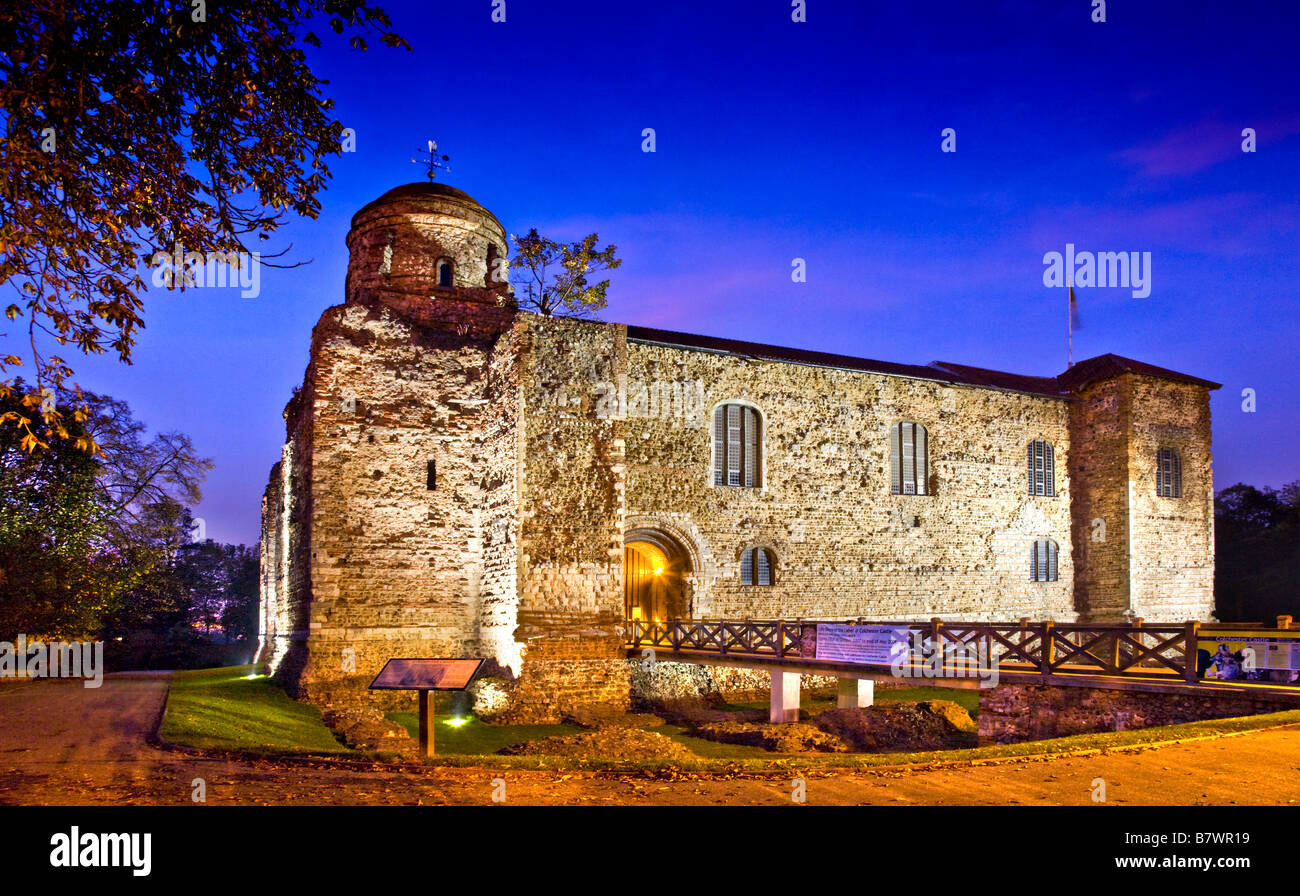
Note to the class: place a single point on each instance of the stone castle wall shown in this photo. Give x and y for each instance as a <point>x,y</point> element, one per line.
<point>1142,554</point>
<point>1171,567</point>
<point>551,439</point>
<point>843,545</point>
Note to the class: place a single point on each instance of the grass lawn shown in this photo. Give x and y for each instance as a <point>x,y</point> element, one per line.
<point>232,709</point>
<point>475,738</point>
<point>967,698</point>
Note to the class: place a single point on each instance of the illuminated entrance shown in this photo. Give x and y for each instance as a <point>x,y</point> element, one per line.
<point>654,570</point>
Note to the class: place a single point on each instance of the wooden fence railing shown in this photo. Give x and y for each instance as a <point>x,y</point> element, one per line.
<point>1048,648</point>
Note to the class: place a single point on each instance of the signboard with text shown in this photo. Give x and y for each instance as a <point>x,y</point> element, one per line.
<point>1274,656</point>
<point>874,644</point>
<point>426,675</point>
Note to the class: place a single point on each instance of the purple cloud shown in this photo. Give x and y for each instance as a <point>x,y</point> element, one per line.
<point>1194,148</point>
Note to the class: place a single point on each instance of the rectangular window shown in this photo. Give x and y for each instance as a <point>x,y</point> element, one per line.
<point>909,465</point>
<point>737,446</point>
<point>1042,472</point>
<point>1043,561</point>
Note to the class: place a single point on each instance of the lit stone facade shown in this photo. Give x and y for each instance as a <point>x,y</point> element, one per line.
<point>461,478</point>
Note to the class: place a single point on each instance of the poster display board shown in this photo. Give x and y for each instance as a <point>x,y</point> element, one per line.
<point>875,644</point>
<point>1251,655</point>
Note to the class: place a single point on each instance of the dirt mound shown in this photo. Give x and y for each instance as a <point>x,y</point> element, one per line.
<point>363,728</point>
<point>604,743</point>
<point>694,713</point>
<point>605,717</point>
<point>955,713</point>
<point>794,737</point>
<point>901,727</point>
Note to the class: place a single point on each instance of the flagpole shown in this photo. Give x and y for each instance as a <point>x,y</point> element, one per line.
<point>1069,315</point>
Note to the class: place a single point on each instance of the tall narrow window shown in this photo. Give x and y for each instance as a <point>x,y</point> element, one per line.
<point>756,567</point>
<point>1169,473</point>
<point>1042,469</point>
<point>444,273</point>
<point>1042,561</point>
<point>737,446</point>
<point>909,465</point>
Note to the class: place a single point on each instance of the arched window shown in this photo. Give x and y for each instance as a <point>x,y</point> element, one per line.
<point>909,465</point>
<point>737,446</point>
<point>444,272</point>
<point>1169,473</point>
<point>1042,469</point>
<point>756,567</point>
<point>1042,561</point>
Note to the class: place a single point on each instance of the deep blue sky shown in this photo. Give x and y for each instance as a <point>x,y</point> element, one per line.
<point>820,140</point>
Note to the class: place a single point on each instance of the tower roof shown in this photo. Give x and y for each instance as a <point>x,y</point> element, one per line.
<point>424,190</point>
<point>1110,365</point>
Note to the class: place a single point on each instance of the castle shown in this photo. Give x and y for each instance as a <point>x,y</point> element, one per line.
<point>463,478</point>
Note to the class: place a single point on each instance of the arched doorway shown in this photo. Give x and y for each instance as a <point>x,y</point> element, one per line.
<point>655,567</point>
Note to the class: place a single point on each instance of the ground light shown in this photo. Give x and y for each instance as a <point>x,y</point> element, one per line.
<point>456,723</point>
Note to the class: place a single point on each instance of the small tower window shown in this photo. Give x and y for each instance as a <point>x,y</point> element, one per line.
<point>431,475</point>
<point>444,273</point>
<point>1169,473</point>
<point>756,567</point>
<point>1042,561</point>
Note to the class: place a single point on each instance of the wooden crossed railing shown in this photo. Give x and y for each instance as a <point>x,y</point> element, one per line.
<point>1048,648</point>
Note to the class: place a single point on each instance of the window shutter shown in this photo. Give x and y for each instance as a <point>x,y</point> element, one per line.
<point>1033,562</point>
<point>1030,479</point>
<point>1169,473</point>
<point>747,568</point>
<point>750,417</point>
<point>895,459</point>
<point>733,444</point>
<point>1051,561</point>
<point>907,448</point>
<point>764,567</point>
<point>922,460</point>
<point>720,445</point>
<point>1049,463</point>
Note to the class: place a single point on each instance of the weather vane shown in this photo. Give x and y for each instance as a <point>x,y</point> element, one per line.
<point>433,161</point>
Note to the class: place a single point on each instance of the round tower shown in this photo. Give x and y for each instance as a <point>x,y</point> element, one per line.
<point>427,239</point>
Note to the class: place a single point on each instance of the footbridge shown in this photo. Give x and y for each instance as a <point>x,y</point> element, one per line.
<point>1187,658</point>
